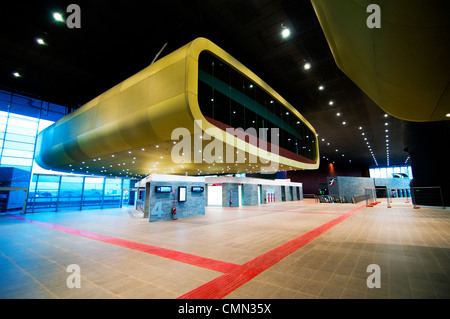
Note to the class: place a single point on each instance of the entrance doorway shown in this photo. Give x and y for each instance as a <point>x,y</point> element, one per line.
<point>128,197</point>
<point>215,195</point>
<point>283,193</point>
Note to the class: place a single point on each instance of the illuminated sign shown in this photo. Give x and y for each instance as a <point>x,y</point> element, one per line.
<point>163,189</point>
<point>182,190</point>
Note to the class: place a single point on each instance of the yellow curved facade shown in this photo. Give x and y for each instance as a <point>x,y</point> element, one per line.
<point>403,65</point>
<point>126,131</point>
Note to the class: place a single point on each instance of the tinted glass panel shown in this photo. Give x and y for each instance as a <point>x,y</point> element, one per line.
<point>230,99</point>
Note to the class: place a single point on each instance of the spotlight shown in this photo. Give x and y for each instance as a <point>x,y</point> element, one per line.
<point>58,17</point>
<point>285,33</point>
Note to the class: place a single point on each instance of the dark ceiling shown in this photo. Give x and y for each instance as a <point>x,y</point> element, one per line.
<point>118,39</point>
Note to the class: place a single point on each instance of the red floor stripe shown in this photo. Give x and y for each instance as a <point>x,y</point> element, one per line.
<point>204,262</point>
<point>225,284</point>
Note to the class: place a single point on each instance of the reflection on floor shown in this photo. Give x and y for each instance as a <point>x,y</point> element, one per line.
<point>283,250</point>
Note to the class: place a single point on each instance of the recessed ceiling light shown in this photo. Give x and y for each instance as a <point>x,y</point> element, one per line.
<point>58,17</point>
<point>338,114</point>
<point>40,41</point>
<point>307,66</point>
<point>321,87</point>
<point>16,74</point>
<point>331,103</point>
<point>285,33</point>
<point>447,115</point>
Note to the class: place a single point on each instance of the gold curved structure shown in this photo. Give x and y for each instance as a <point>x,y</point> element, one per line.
<point>403,65</point>
<point>127,131</point>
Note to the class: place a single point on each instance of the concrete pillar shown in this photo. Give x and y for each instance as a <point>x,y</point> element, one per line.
<point>147,200</point>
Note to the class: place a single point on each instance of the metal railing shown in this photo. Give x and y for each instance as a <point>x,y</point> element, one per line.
<point>419,196</point>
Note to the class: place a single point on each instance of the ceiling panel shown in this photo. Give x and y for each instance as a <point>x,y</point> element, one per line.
<point>117,40</point>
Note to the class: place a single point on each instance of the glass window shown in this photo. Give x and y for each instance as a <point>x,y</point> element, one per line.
<point>231,99</point>
<point>17,153</point>
<point>20,138</point>
<point>14,161</point>
<point>43,124</point>
<point>93,192</point>
<point>387,172</point>
<point>25,123</point>
<point>19,146</point>
<point>46,196</point>
<point>113,192</point>
<point>70,192</point>
<point>21,130</point>
<point>127,183</point>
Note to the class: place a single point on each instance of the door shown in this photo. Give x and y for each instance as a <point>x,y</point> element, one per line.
<point>129,197</point>
<point>215,195</point>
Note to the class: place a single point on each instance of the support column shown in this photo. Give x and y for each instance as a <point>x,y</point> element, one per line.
<point>147,200</point>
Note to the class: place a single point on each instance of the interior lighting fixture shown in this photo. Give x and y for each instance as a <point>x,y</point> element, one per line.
<point>40,41</point>
<point>307,66</point>
<point>321,88</point>
<point>58,17</point>
<point>16,74</point>
<point>331,103</point>
<point>285,33</point>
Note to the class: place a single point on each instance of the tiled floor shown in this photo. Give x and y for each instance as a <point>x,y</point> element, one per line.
<point>411,247</point>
